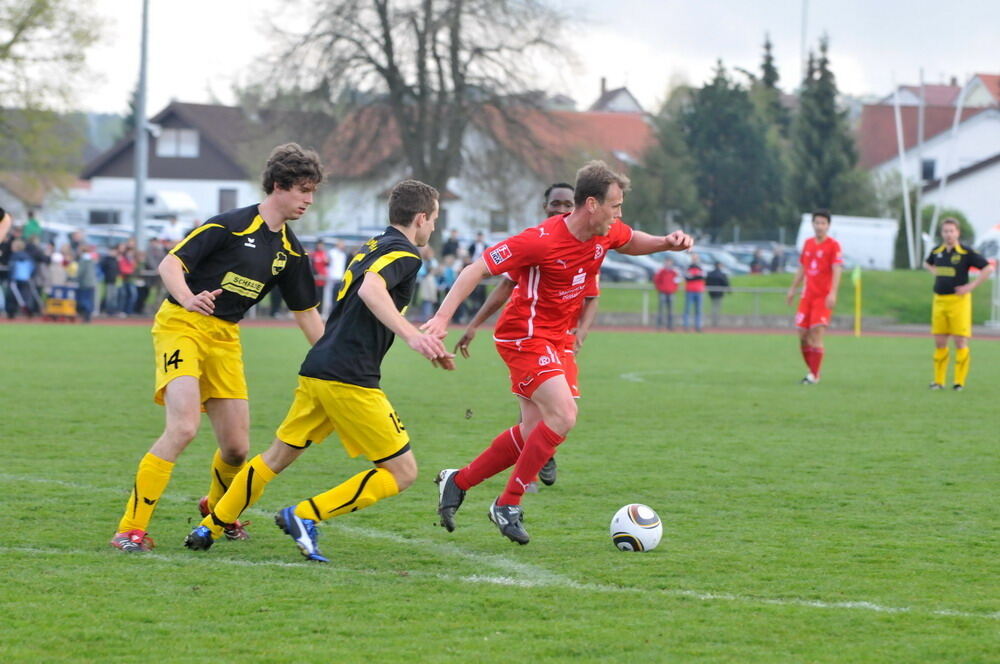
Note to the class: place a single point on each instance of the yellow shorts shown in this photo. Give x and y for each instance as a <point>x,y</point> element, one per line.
<point>191,344</point>
<point>362,417</point>
<point>952,314</point>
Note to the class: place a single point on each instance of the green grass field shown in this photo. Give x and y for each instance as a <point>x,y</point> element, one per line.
<point>901,296</point>
<point>853,521</point>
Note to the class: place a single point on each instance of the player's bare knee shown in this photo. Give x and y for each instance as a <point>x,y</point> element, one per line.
<point>563,418</point>
<point>182,430</point>
<point>404,472</point>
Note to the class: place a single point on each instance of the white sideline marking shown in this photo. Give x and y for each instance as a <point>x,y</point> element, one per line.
<point>637,376</point>
<point>524,575</point>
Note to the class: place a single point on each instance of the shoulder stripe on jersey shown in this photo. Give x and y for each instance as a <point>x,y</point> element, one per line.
<point>285,243</point>
<point>257,222</point>
<point>195,232</point>
<point>938,250</point>
<point>960,249</point>
<point>382,261</point>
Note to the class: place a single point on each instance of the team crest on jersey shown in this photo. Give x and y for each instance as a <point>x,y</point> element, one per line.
<point>278,264</point>
<point>544,360</point>
<point>598,251</point>
<point>956,259</point>
<point>500,254</point>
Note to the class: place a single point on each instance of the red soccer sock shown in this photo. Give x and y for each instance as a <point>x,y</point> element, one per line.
<point>817,360</point>
<point>538,449</point>
<point>500,455</point>
<point>807,355</point>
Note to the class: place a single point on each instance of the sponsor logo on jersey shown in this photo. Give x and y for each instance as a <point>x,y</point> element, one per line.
<point>240,285</point>
<point>279,262</point>
<point>251,242</point>
<point>598,251</point>
<point>500,254</point>
<point>580,277</point>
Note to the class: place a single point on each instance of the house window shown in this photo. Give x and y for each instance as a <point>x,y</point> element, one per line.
<point>177,143</point>
<point>227,200</point>
<point>927,170</point>
<point>104,217</point>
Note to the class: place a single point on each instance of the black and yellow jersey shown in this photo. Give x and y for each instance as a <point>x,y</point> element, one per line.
<point>952,266</point>
<point>355,341</point>
<point>237,252</point>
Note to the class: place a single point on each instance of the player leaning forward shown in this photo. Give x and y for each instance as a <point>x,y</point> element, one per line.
<point>555,260</point>
<point>338,386</point>
<point>213,276</point>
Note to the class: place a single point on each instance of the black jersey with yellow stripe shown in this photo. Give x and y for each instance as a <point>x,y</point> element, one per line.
<point>951,266</point>
<point>237,252</point>
<point>355,341</point>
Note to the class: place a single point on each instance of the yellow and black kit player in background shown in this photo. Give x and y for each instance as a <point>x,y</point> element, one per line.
<point>338,386</point>
<point>213,276</point>
<point>951,313</point>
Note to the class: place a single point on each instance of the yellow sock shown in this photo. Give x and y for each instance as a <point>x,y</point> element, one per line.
<point>941,356</point>
<point>357,493</point>
<point>961,365</point>
<point>244,490</point>
<point>150,481</point>
<point>222,477</point>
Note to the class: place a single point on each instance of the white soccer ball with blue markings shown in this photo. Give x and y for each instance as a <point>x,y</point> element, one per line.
<point>636,527</point>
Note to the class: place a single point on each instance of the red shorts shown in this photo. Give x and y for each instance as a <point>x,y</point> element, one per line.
<point>530,363</point>
<point>812,312</point>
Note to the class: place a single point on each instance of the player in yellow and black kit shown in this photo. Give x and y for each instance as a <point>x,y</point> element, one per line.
<point>951,314</point>
<point>338,389</point>
<point>213,277</point>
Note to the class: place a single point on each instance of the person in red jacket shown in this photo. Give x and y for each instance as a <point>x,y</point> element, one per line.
<point>694,291</point>
<point>665,281</point>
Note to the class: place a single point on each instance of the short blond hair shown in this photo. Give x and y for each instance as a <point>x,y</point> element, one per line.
<point>594,179</point>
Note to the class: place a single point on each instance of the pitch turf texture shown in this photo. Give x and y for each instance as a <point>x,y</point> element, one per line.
<point>854,521</point>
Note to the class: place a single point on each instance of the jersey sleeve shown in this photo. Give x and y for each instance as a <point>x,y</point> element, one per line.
<point>395,266</point>
<point>838,255</point>
<point>522,250</point>
<point>199,243</point>
<point>930,259</point>
<point>298,286</point>
<point>620,234</point>
<point>977,260</point>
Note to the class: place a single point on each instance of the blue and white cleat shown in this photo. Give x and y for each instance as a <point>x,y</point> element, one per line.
<point>303,531</point>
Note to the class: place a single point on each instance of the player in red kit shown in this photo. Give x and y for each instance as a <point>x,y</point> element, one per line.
<point>553,263</point>
<point>820,265</point>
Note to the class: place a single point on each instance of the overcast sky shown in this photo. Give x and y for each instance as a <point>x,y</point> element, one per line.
<point>198,48</point>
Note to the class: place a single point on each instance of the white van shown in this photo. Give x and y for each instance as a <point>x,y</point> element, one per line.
<point>866,241</point>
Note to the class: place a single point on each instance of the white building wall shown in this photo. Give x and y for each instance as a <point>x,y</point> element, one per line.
<point>978,138</point>
<point>977,195</point>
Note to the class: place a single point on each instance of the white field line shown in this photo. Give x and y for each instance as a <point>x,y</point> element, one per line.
<point>518,574</point>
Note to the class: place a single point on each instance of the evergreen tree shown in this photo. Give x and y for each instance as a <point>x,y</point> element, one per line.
<point>767,95</point>
<point>663,188</point>
<point>823,154</point>
<point>735,173</point>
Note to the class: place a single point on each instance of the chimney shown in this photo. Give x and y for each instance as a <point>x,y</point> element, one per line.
<point>954,81</point>
<point>604,86</point>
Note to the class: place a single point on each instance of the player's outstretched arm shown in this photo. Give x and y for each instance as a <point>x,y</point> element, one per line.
<point>376,297</point>
<point>311,324</point>
<point>644,243</point>
<point>467,281</point>
<point>493,303</point>
<point>172,273</point>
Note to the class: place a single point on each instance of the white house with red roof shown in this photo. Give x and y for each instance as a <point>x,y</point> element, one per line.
<point>967,156</point>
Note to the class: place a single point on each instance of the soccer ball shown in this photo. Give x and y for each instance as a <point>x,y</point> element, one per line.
<point>636,527</point>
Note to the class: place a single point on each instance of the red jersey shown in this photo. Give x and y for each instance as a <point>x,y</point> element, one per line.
<point>817,260</point>
<point>665,281</point>
<point>555,271</point>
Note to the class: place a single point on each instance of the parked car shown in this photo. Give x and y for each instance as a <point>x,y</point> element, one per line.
<point>616,270</point>
<point>646,263</point>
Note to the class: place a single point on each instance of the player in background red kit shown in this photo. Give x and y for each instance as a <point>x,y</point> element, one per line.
<point>820,265</point>
<point>554,262</point>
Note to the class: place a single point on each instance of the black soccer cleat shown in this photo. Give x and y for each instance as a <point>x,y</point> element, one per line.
<point>936,386</point>
<point>450,497</point>
<point>548,472</point>
<point>957,387</point>
<point>508,520</point>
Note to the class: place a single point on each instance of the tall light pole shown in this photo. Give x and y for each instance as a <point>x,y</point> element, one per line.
<point>802,42</point>
<point>141,137</point>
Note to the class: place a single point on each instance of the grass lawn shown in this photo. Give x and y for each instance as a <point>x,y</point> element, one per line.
<point>852,521</point>
<point>903,296</point>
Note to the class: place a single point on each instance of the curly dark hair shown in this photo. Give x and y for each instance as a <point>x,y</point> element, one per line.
<point>291,164</point>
